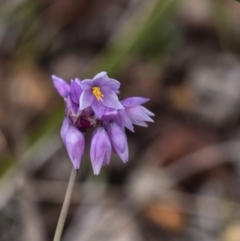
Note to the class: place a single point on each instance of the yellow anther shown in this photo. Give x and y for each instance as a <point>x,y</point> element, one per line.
<point>97,93</point>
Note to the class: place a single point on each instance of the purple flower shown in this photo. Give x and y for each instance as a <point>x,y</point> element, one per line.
<point>119,140</point>
<point>123,120</point>
<point>100,150</point>
<point>134,113</point>
<point>93,103</point>
<point>61,86</point>
<point>74,141</point>
<point>100,92</point>
<point>75,90</point>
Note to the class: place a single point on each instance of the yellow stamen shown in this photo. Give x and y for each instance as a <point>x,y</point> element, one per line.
<point>97,93</point>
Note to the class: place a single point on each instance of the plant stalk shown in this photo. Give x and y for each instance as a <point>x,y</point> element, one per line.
<point>65,206</point>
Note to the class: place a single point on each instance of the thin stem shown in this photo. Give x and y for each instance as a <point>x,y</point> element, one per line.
<point>65,206</point>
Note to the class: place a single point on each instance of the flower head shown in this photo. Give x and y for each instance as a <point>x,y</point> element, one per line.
<point>100,92</point>
<point>93,103</point>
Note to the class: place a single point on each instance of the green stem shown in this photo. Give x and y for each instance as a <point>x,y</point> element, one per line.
<point>65,206</point>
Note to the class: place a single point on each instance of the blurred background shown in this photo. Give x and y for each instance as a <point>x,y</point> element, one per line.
<point>182,180</point>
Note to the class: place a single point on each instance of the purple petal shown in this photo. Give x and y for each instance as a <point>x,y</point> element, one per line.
<point>64,129</point>
<point>100,150</point>
<point>75,92</point>
<point>86,99</point>
<point>125,120</point>
<point>86,84</point>
<point>148,112</point>
<point>137,114</point>
<point>100,75</point>
<point>108,152</point>
<point>98,108</point>
<point>124,155</point>
<point>112,84</point>
<point>110,99</point>
<point>78,81</point>
<point>109,113</point>
<point>133,101</point>
<point>75,145</point>
<point>61,86</point>
<point>119,140</point>
<point>118,120</point>
<point>71,107</point>
<point>140,123</point>
<point>100,79</point>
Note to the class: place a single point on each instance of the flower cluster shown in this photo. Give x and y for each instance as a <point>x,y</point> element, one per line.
<point>94,103</point>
